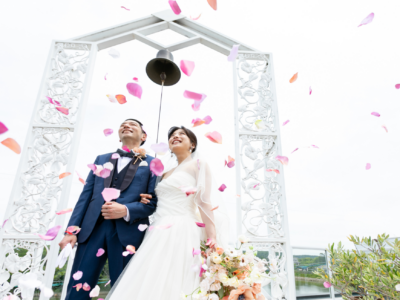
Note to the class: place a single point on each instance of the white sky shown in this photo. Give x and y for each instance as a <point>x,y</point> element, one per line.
<point>352,71</point>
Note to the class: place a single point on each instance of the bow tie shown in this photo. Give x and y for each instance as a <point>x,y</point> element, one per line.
<point>123,153</point>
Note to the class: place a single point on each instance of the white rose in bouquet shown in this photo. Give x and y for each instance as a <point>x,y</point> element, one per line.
<point>223,278</point>
<point>216,259</point>
<point>213,297</point>
<point>243,239</point>
<point>233,282</point>
<point>205,285</point>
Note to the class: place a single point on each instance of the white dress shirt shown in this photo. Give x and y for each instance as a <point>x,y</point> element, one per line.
<point>122,162</point>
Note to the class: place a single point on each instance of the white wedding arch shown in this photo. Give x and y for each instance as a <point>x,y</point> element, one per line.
<point>52,143</point>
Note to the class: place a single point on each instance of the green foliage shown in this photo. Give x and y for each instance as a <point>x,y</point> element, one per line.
<point>372,274</point>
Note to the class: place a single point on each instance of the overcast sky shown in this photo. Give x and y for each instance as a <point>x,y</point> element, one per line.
<point>352,71</point>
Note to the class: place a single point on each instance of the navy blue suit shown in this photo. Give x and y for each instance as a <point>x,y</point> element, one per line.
<point>111,235</point>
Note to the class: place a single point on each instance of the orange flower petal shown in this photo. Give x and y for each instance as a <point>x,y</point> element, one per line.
<point>63,175</point>
<point>12,145</point>
<point>131,249</point>
<point>64,211</point>
<point>214,137</point>
<point>294,78</point>
<point>121,99</point>
<point>215,208</point>
<point>63,110</point>
<point>213,4</point>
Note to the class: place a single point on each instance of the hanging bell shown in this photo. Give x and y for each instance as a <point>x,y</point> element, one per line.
<point>163,63</point>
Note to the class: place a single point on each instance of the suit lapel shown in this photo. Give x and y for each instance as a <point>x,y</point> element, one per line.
<point>133,167</point>
<point>107,181</point>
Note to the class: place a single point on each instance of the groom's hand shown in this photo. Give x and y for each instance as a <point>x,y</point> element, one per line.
<point>144,198</point>
<point>113,210</point>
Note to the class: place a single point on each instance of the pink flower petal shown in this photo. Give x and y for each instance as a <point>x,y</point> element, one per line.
<point>397,86</point>
<point>187,67</point>
<point>222,188</point>
<point>125,8</point>
<point>310,90</point>
<point>108,282</point>
<point>4,223</point>
<point>198,99</point>
<point>92,167</point>
<point>63,110</point>
<point>200,224</point>
<point>80,178</point>
<point>143,227</point>
<point>214,137</point>
<point>195,18</point>
<point>156,167</point>
<point>283,159</point>
<point>64,211</point>
<point>207,120</point>
<point>131,249</point>
<point>126,253</point>
<point>73,230</point>
<point>273,170</point>
<point>108,131</point>
<point>115,156</point>
<point>284,123</point>
<point>189,190</point>
<point>105,173</point>
<point>160,148</point>
<point>230,163</point>
<point>327,284</point>
<point>50,234</point>
<point>196,252</point>
<point>367,19</point>
<point>294,150</point>
<point>78,286</point>
<point>105,76</point>
<point>375,114</point>
<point>214,208</point>
<point>315,146</point>
<point>197,122</point>
<point>95,292</point>
<point>384,127</point>
<point>135,89</point>
<point>125,148</point>
<point>100,252</point>
<point>368,166</point>
<point>175,7</point>
<point>121,99</point>
<point>135,78</point>
<point>110,194</point>
<point>111,98</point>
<point>234,53</point>
<point>86,287</point>
<point>166,226</point>
<point>53,101</point>
<point>77,275</point>
<point>3,128</point>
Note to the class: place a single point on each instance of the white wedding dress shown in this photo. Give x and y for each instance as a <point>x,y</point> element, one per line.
<point>162,268</point>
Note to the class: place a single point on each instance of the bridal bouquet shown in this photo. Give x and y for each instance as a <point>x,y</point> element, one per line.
<point>230,274</point>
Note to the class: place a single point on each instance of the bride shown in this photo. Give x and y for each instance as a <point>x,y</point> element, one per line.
<point>164,266</point>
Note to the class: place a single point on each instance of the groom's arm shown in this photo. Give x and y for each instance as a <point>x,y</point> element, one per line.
<point>139,210</point>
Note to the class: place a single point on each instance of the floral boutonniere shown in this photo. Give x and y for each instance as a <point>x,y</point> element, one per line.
<point>140,153</point>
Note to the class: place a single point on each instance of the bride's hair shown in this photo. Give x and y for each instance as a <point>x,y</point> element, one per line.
<point>192,137</point>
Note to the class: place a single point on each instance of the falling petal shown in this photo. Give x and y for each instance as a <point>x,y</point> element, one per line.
<point>315,146</point>
<point>222,188</point>
<point>105,76</point>
<point>63,175</point>
<point>214,208</point>
<point>230,163</point>
<point>108,282</point>
<point>131,249</point>
<point>86,287</point>
<point>156,167</point>
<point>196,252</point>
<point>207,120</point>
<point>273,170</point>
<point>108,132</point>
<point>114,53</point>
<point>283,159</point>
<point>92,167</point>
<point>143,227</point>
<point>4,223</point>
<point>175,7</point>
<point>327,284</point>
<point>125,8</point>
<point>56,103</point>
<point>64,211</point>
<point>200,224</point>
<point>50,234</point>
<point>284,123</point>
<point>375,114</point>
<point>164,226</point>
<point>105,173</point>
<point>63,110</point>
<point>80,178</point>
<point>135,89</point>
<point>195,18</point>
<point>368,166</point>
<point>384,127</point>
<point>77,275</point>
<point>294,78</point>
<point>73,230</point>
<point>135,78</point>
<point>397,86</point>
<point>110,194</point>
<point>160,148</point>
<point>367,19</point>
<point>259,124</point>
<point>214,137</point>
<point>198,164</point>
<point>125,253</point>
<point>125,148</point>
<point>121,99</point>
<point>78,286</point>
<point>95,292</point>
<point>256,185</point>
<point>100,252</point>
<point>187,67</point>
<point>213,4</point>
<point>188,190</point>
<point>294,150</point>
<point>234,53</point>
<point>12,145</point>
<point>111,98</point>
<point>310,90</point>
<point>198,99</point>
<point>197,122</point>
<point>3,128</point>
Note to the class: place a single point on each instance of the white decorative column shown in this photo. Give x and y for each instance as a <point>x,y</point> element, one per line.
<point>50,149</point>
<point>261,206</point>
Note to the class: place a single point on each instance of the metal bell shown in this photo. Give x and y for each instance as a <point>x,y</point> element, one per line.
<point>163,63</point>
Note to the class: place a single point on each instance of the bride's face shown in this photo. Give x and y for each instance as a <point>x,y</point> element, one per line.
<point>179,142</point>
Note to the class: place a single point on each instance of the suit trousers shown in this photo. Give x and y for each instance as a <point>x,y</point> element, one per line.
<point>104,236</point>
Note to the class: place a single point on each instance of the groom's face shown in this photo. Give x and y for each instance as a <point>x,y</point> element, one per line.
<point>130,130</point>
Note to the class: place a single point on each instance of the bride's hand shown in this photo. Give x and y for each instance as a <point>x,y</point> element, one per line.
<point>144,198</point>
<point>212,243</point>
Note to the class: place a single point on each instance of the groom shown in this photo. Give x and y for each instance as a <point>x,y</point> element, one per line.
<point>111,226</point>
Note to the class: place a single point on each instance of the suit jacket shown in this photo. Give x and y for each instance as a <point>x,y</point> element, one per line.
<point>138,180</point>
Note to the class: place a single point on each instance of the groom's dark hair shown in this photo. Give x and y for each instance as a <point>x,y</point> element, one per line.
<point>192,137</point>
<point>141,127</point>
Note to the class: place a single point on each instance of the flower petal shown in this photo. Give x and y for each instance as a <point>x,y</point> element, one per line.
<point>213,4</point>
<point>207,120</point>
<point>222,188</point>
<point>143,227</point>
<point>283,159</point>
<point>327,284</point>
<point>315,146</point>
<point>175,7</point>
<point>397,86</point>
<point>108,282</point>
<point>195,18</point>
<point>294,150</point>
<point>187,67</point>
<point>131,249</point>
<point>234,53</point>
<point>384,127</point>
<point>108,132</point>
<point>156,167</point>
<point>273,170</point>
<point>95,292</point>
<point>115,156</point>
<point>196,252</point>
<point>114,53</point>
<point>3,128</point>
<point>284,123</point>
<point>50,234</point>
<point>135,78</point>
<point>64,211</point>
<point>110,194</point>
<point>78,286</point>
<point>135,89</point>
<point>375,114</point>
<point>73,230</point>
<point>86,287</point>
<point>125,148</point>
<point>125,253</point>
<point>63,175</point>
<point>368,19</point>
<point>100,252</point>
<point>77,275</point>
<point>121,99</point>
<point>125,8</point>
<point>105,76</point>
<point>214,208</point>
<point>160,148</point>
<point>12,145</point>
<point>111,98</point>
<point>105,173</point>
<point>294,78</point>
<point>63,110</point>
<point>197,122</point>
<point>214,137</point>
<point>368,166</point>
<point>92,167</point>
<point>198,99</point>
<point>189,190</point>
